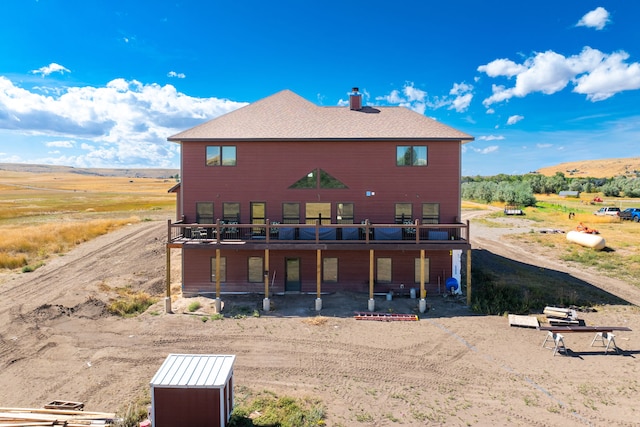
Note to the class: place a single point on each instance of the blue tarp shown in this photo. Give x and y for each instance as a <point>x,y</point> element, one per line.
<point>438,235</point>
<point>287,234</point>
<point>351,233</point>
<point>324,233</point>
<point>388,234</point>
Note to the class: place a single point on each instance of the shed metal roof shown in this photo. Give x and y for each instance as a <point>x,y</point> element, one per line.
<point>194,371</point>
<point>286,115</point>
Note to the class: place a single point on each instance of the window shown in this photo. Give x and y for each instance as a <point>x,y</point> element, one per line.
<point>403,213</point>
<point>231,212</point>
<point>256,269</point>
<point>204,212</point>
<point>291,213</point>
<point>344,213</point>
<point>317,178</point>
<point>411,155</point>
<point>330,270</point>
<point>221,155</point>
<point>383,270</point>
<point>430,213</point>
<point>223,269</point>
<point>258,216</point>
<point>318,211</point>
<point>417,270</point>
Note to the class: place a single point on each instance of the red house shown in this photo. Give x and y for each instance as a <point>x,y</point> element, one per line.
<point>283,195</point>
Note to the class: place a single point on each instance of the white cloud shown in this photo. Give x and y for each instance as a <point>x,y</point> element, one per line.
<point>592,72</point>
<point>489,149</point>
<point>502,67</point>
<point>419,100</point>
<point>512,120</point>
<point>490,138</point>
<point>597,18</point>
<point>61,144</point>
<point>486,150</point>
<point>51,68</point>
<point>544,145</point>
<point>123,124</point>
<point>609,76</point>
<point>177,75</point>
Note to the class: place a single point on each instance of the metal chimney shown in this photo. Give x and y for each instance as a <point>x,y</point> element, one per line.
<point>355,99</point>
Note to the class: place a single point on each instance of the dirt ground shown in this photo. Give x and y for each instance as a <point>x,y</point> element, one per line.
<point>449,368</point>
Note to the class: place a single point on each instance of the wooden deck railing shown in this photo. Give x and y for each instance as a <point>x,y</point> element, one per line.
<point>273,232</point>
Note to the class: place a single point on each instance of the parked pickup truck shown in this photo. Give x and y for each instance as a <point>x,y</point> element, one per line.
<point>607,210</point>
<point>632,214</point>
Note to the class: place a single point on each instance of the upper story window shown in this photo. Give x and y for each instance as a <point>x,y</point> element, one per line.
<point>411,155</point>
<point>290,213</point>
<point>430,213</point>
<point>218,155</point>
<point>204,213</point>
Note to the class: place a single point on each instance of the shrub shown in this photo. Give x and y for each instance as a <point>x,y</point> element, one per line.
<point>130,303</point>
<point>194,306</point>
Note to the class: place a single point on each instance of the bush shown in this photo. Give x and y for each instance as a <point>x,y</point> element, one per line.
<point>130,303</point>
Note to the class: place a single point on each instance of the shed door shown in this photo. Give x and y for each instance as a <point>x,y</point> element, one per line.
<point>292,271</point>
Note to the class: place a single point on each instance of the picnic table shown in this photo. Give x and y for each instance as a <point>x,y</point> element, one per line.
<point>603,334</point>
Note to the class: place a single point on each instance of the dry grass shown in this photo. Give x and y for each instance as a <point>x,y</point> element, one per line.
<point>605,168</point>
<point>22,245</point>
<point>42,214</point>
<point>315,321</point>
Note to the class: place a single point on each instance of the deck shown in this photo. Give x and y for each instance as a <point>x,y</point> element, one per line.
<point>322,236</point>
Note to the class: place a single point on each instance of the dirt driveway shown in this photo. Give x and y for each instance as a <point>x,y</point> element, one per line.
<point>450,367</point>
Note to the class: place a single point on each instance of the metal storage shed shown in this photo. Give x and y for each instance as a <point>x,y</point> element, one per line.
<point>193,390</point>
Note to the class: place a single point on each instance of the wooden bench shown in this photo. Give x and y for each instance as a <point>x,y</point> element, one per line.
<point>603,334</point>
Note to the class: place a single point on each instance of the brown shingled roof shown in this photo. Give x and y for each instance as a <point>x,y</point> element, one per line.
<point>286,115</point>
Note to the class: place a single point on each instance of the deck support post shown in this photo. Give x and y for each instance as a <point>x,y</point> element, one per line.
<point>469,277</point>
<point>218,302</point>
<point>422,306</point>
<point>266,303</point>
<point>167,299</point>
<point>318,279</point>
<point>372,302</point>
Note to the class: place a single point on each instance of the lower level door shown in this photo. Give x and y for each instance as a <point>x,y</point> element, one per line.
<point>292,271</point>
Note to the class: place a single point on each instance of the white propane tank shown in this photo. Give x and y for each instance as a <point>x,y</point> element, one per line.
<point>594,241</point>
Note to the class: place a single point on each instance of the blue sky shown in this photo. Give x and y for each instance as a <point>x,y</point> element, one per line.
<point>93,83</point>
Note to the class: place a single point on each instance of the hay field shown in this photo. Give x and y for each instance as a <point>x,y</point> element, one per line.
<point>48,213</point>
<point>603,168</point>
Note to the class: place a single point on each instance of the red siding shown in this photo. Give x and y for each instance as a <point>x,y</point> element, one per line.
<point>265,170</point>
<point>353,270</point>
<point>187,407</point>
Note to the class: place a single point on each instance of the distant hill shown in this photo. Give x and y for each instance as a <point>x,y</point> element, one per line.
<point>127,173</point>
<point>605,168</point>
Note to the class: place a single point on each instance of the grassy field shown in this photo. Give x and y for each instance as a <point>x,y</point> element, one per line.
<point>43,214</point>
<point>621,257</point>
<point>520,289</point>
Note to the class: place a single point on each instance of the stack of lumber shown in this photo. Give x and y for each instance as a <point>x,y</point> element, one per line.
<point>363,315</point>
<point>523,321</point>
<point>561,316</point>
<point>53,417</point>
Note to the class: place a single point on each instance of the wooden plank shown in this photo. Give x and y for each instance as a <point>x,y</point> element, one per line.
<point>561,313</point>
<point>63,404</point>
<point>26,424</point>
<point>523,321</point>
<point>363,315</point>
<point>584,328</point>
